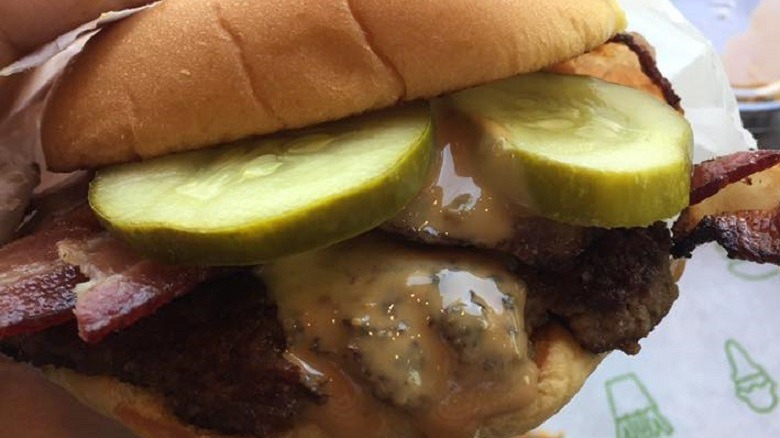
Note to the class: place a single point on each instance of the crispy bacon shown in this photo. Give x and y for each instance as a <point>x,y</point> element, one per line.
<point>710,176</point>
<point>644,53</point>
<point>36,286</point>
<point>735,201</point>
<point>123,287</point>
<point>747,235</point>
<point>71,267</point>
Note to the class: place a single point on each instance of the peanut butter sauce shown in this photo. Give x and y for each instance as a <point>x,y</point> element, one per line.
<point>459,201</point>
<point>405,340</point>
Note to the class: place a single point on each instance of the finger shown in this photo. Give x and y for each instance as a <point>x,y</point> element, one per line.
<point>27,24</point>
<point>9,87</point>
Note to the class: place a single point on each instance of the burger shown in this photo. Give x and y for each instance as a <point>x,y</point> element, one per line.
<point>356,218</point>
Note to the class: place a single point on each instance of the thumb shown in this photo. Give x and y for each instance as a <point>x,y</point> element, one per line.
<point>27,24</point>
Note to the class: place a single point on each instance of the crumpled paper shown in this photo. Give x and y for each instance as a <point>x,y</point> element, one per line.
<point>66,41</point>
<point>19,140</point>
<point>712,367</point>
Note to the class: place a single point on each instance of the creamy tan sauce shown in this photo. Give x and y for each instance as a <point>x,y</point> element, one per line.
<point>458,202</point>
<point>391,331</point>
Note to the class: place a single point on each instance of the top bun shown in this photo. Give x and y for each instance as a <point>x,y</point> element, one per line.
<point>189,74</point>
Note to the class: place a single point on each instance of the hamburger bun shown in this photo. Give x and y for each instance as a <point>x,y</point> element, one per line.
<point>190,74</point>
<point>563,367</point>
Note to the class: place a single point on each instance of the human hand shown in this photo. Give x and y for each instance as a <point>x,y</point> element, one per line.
<point>25,25</point>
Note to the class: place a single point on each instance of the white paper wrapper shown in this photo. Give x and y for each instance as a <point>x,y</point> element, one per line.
<point>19,139</point>
<point>711,367</point>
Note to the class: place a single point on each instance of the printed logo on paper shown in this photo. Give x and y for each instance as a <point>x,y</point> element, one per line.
<point>750,271</point>
<point>752,385</point>
<point>634,410</point>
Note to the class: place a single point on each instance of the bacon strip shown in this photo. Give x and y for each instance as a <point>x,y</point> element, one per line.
<point>71,267</point>
<point>36,287</point>
<point>735,201</point>
<point>710,176</point>
<point>752,235</point>
<point>649,67</point>
<point>123,286</point>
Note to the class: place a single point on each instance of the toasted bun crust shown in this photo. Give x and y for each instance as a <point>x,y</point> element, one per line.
<point>189,74</point>
<point>563,365</point>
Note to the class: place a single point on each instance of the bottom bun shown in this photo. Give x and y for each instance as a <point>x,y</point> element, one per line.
<point>563,366</point>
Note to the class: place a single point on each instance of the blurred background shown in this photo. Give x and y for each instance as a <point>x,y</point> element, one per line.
<point>747,36</point>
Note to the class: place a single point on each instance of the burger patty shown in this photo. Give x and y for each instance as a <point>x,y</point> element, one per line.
<point>617,291</point>
<point>535,241</point>
<point>611,287</point>
<point>216,355</point>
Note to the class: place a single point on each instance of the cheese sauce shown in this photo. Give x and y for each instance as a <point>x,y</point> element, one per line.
<point>391,331</point>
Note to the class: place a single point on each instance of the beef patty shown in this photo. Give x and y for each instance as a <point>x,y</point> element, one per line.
<point>615,293</point>
<point>216,355</point>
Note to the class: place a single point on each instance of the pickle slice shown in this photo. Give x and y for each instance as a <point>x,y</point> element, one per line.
<point>256,200</point>
<point>580,150</point>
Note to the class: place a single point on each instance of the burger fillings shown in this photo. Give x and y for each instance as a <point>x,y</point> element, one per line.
<point>484,331</point>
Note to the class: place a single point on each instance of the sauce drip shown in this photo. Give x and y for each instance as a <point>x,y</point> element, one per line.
<point>458,202</point>
<point>390,331</point>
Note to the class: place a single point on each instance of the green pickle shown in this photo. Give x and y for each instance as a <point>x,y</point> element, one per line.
<point>580,150</point>
<point>259,199</point>
<point>574,149</point>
